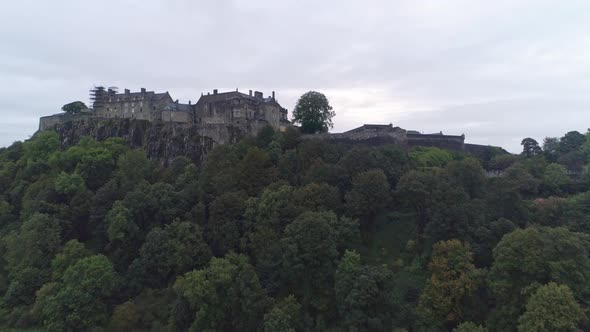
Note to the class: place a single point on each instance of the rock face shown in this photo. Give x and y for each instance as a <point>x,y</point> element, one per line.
<point>161,141</point>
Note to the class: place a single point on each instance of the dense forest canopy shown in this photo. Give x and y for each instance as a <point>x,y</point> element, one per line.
<point>282,234</point>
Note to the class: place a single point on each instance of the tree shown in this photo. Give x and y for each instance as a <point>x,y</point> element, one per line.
<point>226,225</point>
<point>80,302</point>
<point>453,278</point>
<point>527,258</point>
<point>169,252</point>
<point>363,294</point>
<point>284,316</point>
<point>69,184</point>
<point>530,147</point>
<point>72,252</point>
<point>313,112</point>
<point>571,141</point>
<point>551,308</point>
<point>416,188</point>
<point>226,295</point>
<point>554,178</point>
<point>551,148</point>
<point>469,327</point>
<point>309,248</point>
<point>74,108</point>
<point>370,193</point>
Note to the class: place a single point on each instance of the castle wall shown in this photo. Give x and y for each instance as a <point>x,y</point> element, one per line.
<point>175,116</point>
<point>447,142</point>
<point>47,122</point>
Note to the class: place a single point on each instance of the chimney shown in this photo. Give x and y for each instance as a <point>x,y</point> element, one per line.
<point>258,94</point>
<point>127,91</point>
<point>250,93</point>
<point>273,95</point>
<point>214,91</point>
<point>176,101</point>
<point>189,102</point>
<point>142,90</point>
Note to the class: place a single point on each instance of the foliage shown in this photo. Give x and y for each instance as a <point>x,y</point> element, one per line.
<point>285,316</point>
<point>264,235</point>
<point>74,108</point>
<point>530,147</point>
<point>552,308</point>
<point>527,258</point>
<point>225,295</point>
<point>453,278</point>
<point>80,302</point>
<point>313,112</point>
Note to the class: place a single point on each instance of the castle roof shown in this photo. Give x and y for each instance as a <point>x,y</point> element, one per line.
<point>149,95</point>
<point>178,107</point>
<point>223,96</point>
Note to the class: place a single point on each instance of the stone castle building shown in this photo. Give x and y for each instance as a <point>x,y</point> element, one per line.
<point>227,108</point>
<point>220,118</point>
<point>224,117</point>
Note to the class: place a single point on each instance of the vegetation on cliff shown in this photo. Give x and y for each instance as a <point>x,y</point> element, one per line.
<point>280,234</point>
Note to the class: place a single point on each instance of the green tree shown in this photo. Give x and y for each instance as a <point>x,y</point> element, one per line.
<point>364,294</point>
<point>554,178</point>
<point>551,148</point>
<point>226,226</point>
<point>469,327</point>
<point>416,188</point>
<point>226,296</point>
<point>530,147</point>
<point>28,256</point>
<point>169,252</point>
<point>81,302</point>
<point>571,141</point>
<point>69,184</point>
<point>370,193</point>
<point>72,252</point>
<point>284,316</point>
<point>74,108</point>
<point>256,171</point>
<point>453,279</point>
<point>534,256</point>
<point>552,308</point>
<point>40,146</point>
<point>309,259</point>
<point>313,112</point>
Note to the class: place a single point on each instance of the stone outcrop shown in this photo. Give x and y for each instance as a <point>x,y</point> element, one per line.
<point>161,141</point>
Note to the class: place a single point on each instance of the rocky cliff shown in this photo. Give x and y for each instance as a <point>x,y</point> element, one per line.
<point>161,141</point>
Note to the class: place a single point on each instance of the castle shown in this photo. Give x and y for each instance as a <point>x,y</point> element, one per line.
<point>228,108</point>
<point>225,117</point>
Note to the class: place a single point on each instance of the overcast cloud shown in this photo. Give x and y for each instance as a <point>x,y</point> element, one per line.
<point>496,71</point>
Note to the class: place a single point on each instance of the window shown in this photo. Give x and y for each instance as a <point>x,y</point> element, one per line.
<point>140,109</point>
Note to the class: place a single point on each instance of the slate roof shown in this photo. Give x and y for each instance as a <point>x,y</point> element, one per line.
<point>178,107</point>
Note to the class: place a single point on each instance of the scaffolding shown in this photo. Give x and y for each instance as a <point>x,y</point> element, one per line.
<point>98,95</point>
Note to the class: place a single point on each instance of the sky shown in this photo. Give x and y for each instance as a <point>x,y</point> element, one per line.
<point>496,71</point>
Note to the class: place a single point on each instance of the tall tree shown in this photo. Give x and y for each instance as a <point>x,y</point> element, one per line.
<point>313,112</point>
<point>571,141</point>
<point>453,278</point>
<point>81,301</point>
<point>537,255</point>
<point>551,308</point>
<point>225,296</point>
<point>530,147</point>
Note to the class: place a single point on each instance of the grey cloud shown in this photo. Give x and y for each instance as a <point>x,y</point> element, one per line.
<point>476,67</point>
